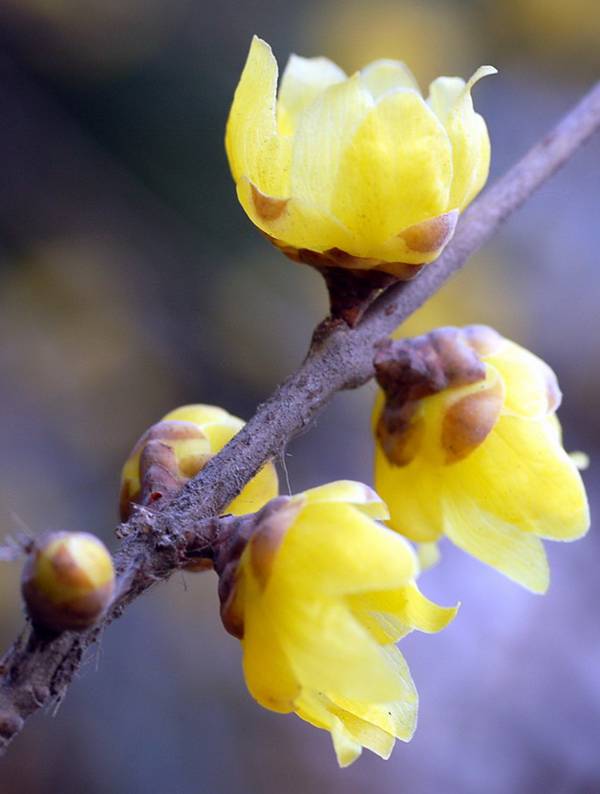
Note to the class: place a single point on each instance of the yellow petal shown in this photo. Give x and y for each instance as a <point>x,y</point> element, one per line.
<point>324,133</point>
<point>409,606</point>
<point>428,555</point>
<point>450,98</point>
<point>517,554</point>
<point>268,674</point>
<point>336,549</point>
<point>412,494</point>
<point>260,490</point>
<point>396,172</point>
<point>254,147</point>
<point>312,707</point>
<point>397,718</point>
<point>302,81</point>
<point>384,75</point>
<point>198,413</point>
<point>351,492</point>
<point>220,427</point>
<point>329,650</point>
<point>365,732</point>
<point>522,476</point>
<point>293,221</point>
<point>531,386</point>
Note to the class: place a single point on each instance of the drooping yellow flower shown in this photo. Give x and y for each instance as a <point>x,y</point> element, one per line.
<point>319,597</point>
<point>356,172</point>
<point>468,446</point>
<point>176,448</point>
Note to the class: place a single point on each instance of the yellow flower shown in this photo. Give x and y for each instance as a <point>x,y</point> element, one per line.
<point>176,448</point>
<point>320,595</point>
<point>68,581</point>
<point>468,446</point>
<point>358,172</point>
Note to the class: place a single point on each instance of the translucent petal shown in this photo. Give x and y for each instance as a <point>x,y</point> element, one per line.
<point>409,606</point>
<point>531,386</point>
<point>517,554</point>
<point>384,75</point>
<point>254,147</point>
<point>428,555</point>
<point>351,492</point>
<point>522,476</point>
<point>450,99</point>
<point>335,549</point>
<point>396,172</point>
<point>329,650</point>
<point>313,708</point>
<point>397,718</point>
<point>302,81</point>
<point>324,133</point>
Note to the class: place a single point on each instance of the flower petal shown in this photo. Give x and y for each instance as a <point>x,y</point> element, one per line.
<point>335,549</point>
<point>268,675</point>
<point>302,81</point>
<point>254,147</point>
<point>351,492</point>
<point>523,477</point>
<point>531,386</point>
<point>517,554</point>
<point>384,75</point>
<point>395,173</point>
<point>325,130</point>
<point>450,98</point>
<point>328,649</point>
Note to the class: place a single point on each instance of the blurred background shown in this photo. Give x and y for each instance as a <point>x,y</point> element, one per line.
<point>131,282</point>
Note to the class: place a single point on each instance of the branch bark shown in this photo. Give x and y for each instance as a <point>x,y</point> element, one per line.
<point>37,671</point>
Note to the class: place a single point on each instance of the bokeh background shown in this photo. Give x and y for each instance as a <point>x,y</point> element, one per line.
<point>131,282</point>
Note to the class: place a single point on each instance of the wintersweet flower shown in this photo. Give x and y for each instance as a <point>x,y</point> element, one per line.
<point>318,597</point>
<point>355,172</point>
<point>175,450</point>
<point>469,446</point>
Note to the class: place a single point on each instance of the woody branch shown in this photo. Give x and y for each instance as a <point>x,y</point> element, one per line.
<point>37,671</point>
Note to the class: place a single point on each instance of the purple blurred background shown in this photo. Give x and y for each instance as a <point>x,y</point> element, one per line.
<point>131,282</point>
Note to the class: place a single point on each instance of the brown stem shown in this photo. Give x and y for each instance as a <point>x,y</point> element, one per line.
<point>36,672</point>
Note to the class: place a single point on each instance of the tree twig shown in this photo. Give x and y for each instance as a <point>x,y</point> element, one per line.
<point>37,671</point>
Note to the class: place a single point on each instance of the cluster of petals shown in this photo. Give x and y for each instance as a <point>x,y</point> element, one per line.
<point>359,172</point>
<point>323,592</point>
<point>486,465</point>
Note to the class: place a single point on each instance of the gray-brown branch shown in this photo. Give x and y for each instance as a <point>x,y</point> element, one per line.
<point>36,671</point>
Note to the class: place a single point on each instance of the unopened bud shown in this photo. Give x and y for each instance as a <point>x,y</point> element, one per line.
<point>68,581</point>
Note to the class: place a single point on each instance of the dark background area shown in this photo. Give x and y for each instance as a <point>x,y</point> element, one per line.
<point>131,282</point>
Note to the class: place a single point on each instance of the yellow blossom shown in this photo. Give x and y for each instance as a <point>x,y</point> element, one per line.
<point>358,172</point>
<point>321,593</point>
<point>468,446</point>
<point>175,450</point>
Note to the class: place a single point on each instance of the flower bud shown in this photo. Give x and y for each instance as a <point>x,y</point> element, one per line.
<point>68,581</point>
<point>175,449</point>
